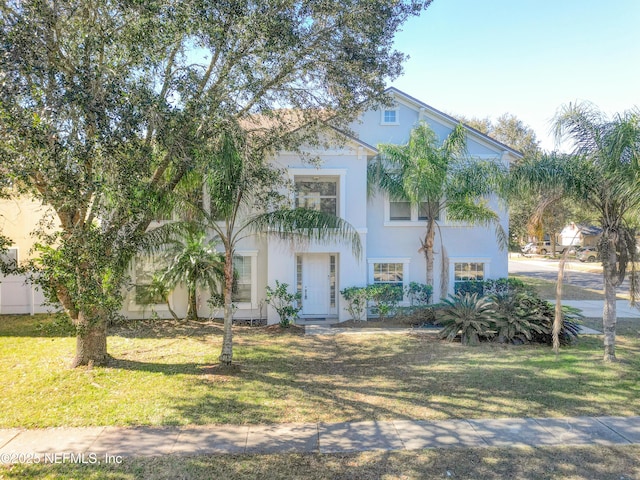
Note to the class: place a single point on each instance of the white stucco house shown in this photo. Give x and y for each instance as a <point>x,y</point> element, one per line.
<point>389,231</point>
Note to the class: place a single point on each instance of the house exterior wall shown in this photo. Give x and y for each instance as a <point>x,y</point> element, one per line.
<point>19,217</point>
<point>349,165</point>
<point>383,241</point>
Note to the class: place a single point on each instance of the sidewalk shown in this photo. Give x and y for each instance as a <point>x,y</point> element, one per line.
<point>593,308</point>
<point>114,442</point>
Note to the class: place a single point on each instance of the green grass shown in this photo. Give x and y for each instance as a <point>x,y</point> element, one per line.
<point>578,463</point>
<point>547,289</point>
<point>164,373</point>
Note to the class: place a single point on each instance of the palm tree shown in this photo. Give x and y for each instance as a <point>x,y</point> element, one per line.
<point>603,174</point>
<point>245,199</point>
<point>436,177</point>
<point>193,261</point>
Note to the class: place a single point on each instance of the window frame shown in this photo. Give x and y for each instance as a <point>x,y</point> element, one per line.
<point>486,261</point>
<point>383,117</point>
<point>414,220</point>
<point>134,306</point>
<point>319,179</point>
<point>7,255</point>
<point>404,261</point>
<point>253,303</point>
<point>339,173</point>
<point>400,219</point>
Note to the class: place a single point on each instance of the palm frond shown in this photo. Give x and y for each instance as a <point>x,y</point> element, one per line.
<point>477,212</point>
<point>456,142</point>
<point>580,123</point>
<point>155,240</point>
<point>302,223</point>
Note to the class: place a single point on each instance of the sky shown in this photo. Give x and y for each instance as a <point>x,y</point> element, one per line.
<point>524,57</point>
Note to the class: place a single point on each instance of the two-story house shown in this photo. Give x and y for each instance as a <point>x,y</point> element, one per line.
<point>390,232</point>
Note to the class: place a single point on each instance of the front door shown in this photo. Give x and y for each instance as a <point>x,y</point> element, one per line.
<point>317,286</point>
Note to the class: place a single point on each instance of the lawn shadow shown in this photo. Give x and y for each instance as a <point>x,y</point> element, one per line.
<point>383,385</point>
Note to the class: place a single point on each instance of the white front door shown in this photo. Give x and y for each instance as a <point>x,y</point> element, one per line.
<point>317,277</point>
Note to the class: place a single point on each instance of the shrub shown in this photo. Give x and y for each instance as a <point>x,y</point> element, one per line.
<point>469,316</point>
<point>506,285</point>
<point>469,287</point>
<point>356,298</point>
<point>385,297</point>
<point>286,304</point>
<point>418,293</point>
<point>419,316</point>
<point>493,286</point>
<point>513,320</point>
<point>545,313</point>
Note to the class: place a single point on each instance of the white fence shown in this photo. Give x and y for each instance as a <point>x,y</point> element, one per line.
<point>18,296</point>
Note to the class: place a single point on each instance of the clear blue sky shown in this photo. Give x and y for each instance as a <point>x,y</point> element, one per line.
<point>525,57</point>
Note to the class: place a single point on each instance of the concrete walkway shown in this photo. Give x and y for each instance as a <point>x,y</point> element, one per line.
<point>593,308</point>
<point>114,443</point>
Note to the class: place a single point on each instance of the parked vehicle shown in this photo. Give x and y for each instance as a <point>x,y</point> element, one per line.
<point>588,254</point>
<point>541,248</point>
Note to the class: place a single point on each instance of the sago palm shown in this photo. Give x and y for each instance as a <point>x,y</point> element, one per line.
<point>469,316</point>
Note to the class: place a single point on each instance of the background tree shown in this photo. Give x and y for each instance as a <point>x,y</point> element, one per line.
<point>103,105</point>
<point>507,129</point>
<point>437,177</point>
<point>530,214</point>
<point>525,216</point>
<point>603,174</point>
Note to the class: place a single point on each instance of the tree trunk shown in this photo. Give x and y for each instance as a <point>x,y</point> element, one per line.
<point>226,356</point>
<point>609,314</point>
<point>558,320</point>
<point>91,341</point>
<point>427,248</point>
<point>192,308</point>
<point>609,319</point>
<point>173,314</point>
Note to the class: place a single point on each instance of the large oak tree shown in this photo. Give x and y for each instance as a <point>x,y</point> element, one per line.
<point>105,104</point>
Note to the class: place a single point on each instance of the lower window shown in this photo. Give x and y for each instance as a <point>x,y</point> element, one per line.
<point>245,288</point>
<point>146,291</point>
<point>466,273</point>
<point>390,274</point>
<point>242,284</point>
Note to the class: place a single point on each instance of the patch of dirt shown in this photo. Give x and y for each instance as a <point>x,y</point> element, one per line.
<point>276,329</point>
<point>220,373</point>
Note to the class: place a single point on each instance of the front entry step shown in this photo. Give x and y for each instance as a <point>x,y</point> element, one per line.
<point>316,321</point>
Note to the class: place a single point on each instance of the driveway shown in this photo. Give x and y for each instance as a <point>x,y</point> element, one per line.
<point>575,273</point>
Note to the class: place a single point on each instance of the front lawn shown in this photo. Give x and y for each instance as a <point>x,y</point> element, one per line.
<point>166,373</point>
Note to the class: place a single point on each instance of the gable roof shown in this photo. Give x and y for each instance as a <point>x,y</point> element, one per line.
<point>355,140</point>
<point>448,119</point>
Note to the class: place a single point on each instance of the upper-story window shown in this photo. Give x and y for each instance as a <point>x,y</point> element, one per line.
<point>423,212</point>
<point>390,116</point>
<point>317,193</point>
<point>400,211</point>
